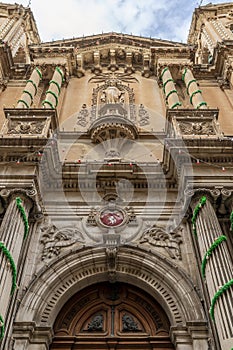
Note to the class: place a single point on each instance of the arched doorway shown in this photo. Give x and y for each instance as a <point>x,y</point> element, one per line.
<point>111,316</point>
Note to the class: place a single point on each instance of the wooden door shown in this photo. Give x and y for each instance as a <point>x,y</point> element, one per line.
<point>111,316</point>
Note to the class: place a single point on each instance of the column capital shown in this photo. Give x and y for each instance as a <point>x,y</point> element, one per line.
<point>29,195</point>
<point>194,195</point>
<point>9,193</point>
<point>220,197</point>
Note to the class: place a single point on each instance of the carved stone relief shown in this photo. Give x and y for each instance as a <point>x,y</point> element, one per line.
<point>158,237</point>
<point>54,239</point>
<point>197,128</point>
<point>143,116</point>
<point>83,116</point>
<point>25,127</point>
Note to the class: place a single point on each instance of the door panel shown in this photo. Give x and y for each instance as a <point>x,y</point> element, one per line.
<point>112,316</point>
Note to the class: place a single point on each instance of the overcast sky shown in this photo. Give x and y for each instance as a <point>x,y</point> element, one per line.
<point>162,19</point>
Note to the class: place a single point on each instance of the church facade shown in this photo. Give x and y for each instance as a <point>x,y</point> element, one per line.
<point>116,180</point>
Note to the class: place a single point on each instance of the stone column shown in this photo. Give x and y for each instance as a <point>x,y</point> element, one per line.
<point>30,90</point>
<point>170,89</point>
<point>193,90</point>
<point>219,269</point>
<point>11,235</point>
<point>52,94</point>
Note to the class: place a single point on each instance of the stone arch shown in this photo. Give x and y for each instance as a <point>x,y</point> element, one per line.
<point>79,268</point>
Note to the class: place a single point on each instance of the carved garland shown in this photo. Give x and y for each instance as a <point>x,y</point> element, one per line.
<point>24,216</point>
<point>12,264</point>
<point>218,241</point>
<point>223,289</point>
<point>195,214</point>
<point>231,220</point>
<point>2,327</point>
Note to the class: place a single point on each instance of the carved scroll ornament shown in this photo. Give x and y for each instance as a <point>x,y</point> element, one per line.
<point>158,237</point>
<point>54,240</point>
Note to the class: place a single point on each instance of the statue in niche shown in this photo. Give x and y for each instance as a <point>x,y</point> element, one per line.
<point>112,94</point>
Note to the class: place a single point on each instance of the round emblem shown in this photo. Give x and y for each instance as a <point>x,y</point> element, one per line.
<point>111,217</point>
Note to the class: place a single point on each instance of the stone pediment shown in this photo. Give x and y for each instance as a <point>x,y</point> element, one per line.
<point>113,38</point>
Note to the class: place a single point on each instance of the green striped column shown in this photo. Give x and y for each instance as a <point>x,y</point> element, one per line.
<point>12,238</point>
<point>30,89</point>
<point>53,92</point>
<point>195,94</point>
<point>216,266</point>
<point>169,89</point>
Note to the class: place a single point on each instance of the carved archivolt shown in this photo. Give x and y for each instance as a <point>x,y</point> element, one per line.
<point>86,266</point>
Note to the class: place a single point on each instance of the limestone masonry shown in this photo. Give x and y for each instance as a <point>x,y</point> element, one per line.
<point>116,188</point>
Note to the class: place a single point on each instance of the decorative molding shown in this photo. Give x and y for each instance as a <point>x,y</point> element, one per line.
<point>158,237</point>
<point>85,266</point>
<point>111,254</point>
<point>189,123</point>
<point>54,239</point>
<point>25,127</point>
